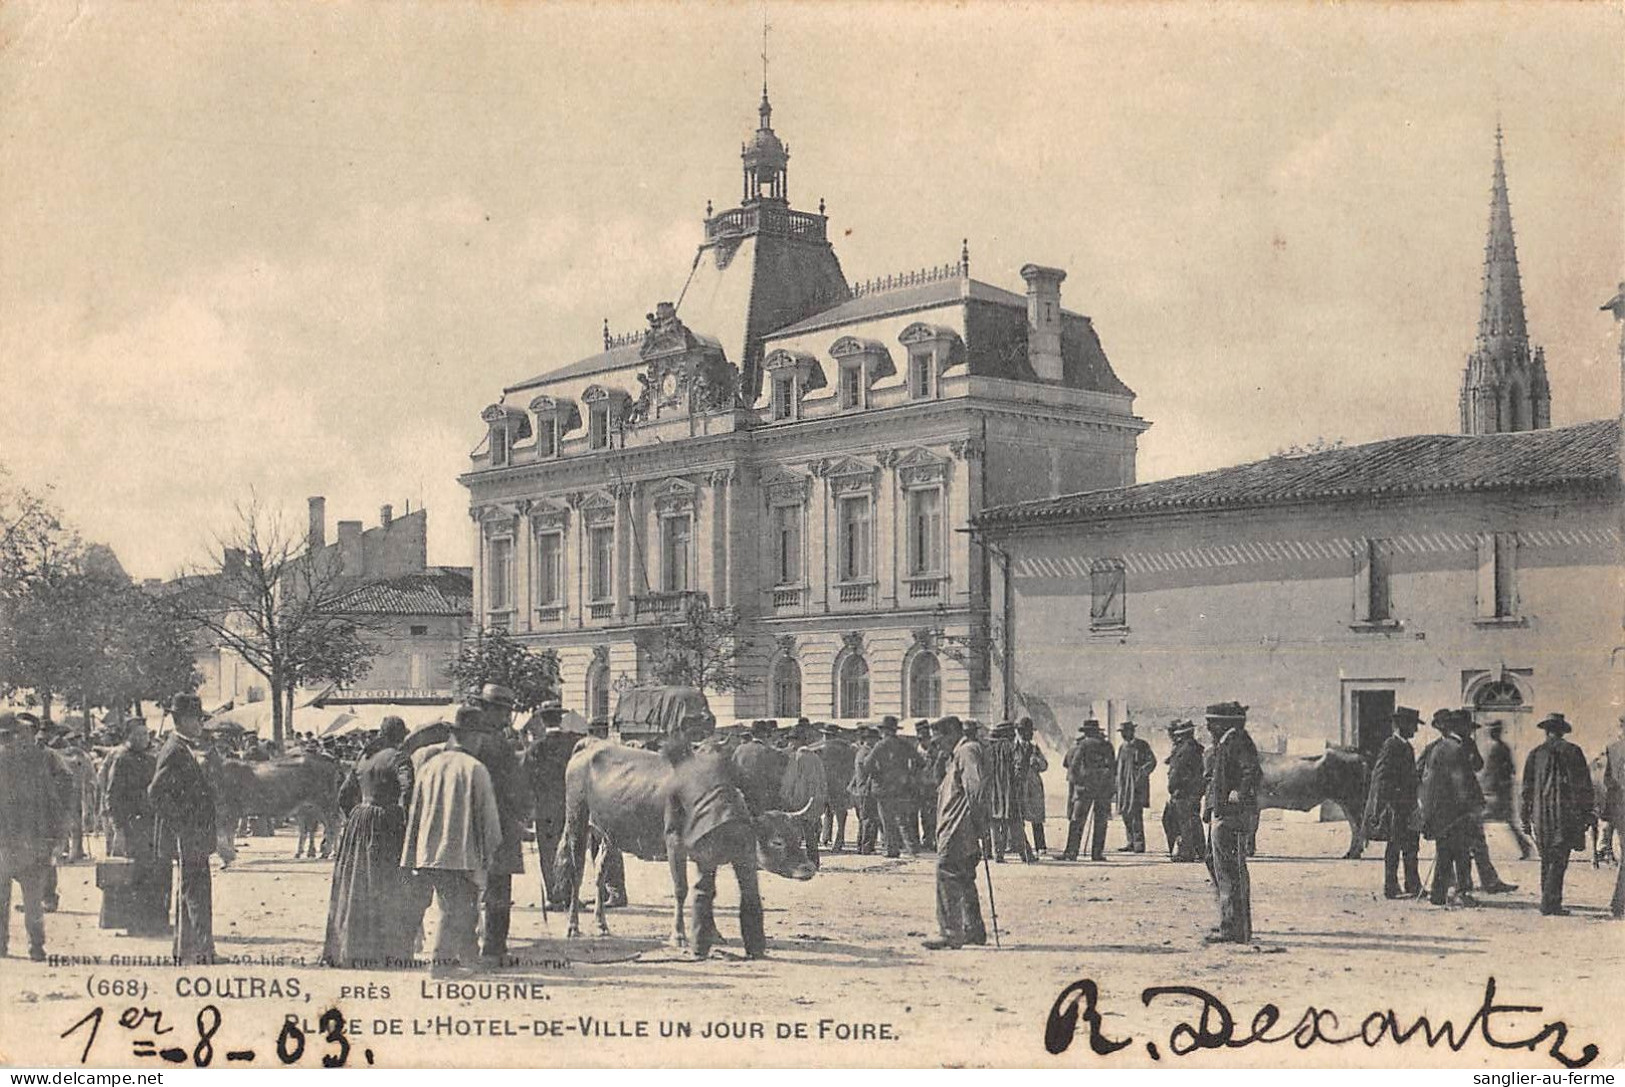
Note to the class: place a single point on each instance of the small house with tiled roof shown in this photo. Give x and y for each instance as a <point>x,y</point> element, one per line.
<point>1323,588</point>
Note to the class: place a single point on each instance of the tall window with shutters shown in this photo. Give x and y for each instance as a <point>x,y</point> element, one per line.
<point>499,573</point>
<point>675,536</point>
<point>549,560</point>
<point>787,545</point>
<point>851,387</point>
<point>855,523</point>
<point>1107,589</point>
<point>1498,577</point>
<point>601,572</point>
<point>920,367</point>
<point>924,532</point>
<point>1373,603</point>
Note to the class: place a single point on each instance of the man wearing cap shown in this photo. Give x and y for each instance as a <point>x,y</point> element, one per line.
<point>30,820</point>
<point>961,818</point>
<point>1135,761</point>
<point>1231,806</point>
<point>1499,783</point>
<point>454,838</point>
<point>803,781</point>
<point>1478,849</point>
<point>183,805</point>
<point>1558,806</point>
<point>1612,807</point>
<point>129,809</point>
<point>837,756</point>
<point>1182,815</point>
<point>1091,769</point>
<point>1391,814</point>
<point>1446,801</point>
<point>492,744</point>
<point>890,768</point>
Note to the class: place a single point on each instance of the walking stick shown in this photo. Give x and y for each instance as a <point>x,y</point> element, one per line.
<point>992,907</point>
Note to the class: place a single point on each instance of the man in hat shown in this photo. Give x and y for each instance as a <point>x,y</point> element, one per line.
<point>1003,802</point>
<point>1091,769</point>
<point>454,838</point>
<point>961,816</point>
<point>837,756</point>
<point>184,809</point>
<point>925,784</point>
<point>129,773</point>
<point>1499,781</point>
<point>862,789</point>
<point>1612,807</point>
<point>1231,807</point>
<point>759,767</point>
<point>1182,815</point>
<point>1447,805</point>
<point>30,822</point>
<point>1391,814</point>
<point>492,744</point>
<point>804,781</point>
<point>1478,849</point>
<point>543,766</point>
<point>1558,806</point>
<point>1135,761</point>
<point>890,769</point>
<point>1030,767</point>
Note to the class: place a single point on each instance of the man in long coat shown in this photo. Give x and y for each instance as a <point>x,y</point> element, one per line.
<point>837,756</point>
<point>1391,813</point>
<point>861,790</point>
<point>1478,847</point>
<point>1448,809</point>
<point>1612,807</point>
<point>1499,783</point>
<point>183,804</point>
<point>1182,815</point>
<point>961,819</point>
<point>1030,767</point>
<point>926,778</point>
<point>804,781</point>
<point>543,766</point>
<point>30,821</point>
<point>129,809</point>
<point>493,746</point>
<point>454,837</point>
<point>1091,768</point>
<point>1004,795</point>
<point>760,768</point>
<point>1558,807</point>
<point>1135,761</point>
<point>709,816</point>
<point>890,768</point>
<point>1231,805</point>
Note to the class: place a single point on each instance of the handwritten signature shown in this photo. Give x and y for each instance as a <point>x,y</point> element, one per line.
<point>1214,1027</point>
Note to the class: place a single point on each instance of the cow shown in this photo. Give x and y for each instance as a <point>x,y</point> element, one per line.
<point>305,786</point>
<point>621,791</point>
<point>1300,782</point>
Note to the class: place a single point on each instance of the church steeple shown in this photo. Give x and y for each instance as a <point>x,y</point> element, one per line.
<point>1504,386</point>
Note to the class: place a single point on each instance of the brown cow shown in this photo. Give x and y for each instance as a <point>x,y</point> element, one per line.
<point>1301,782</point>
<point>305,786</point>
<point>621,791</point>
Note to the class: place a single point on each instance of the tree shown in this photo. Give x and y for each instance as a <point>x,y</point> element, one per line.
<point>701,647</point>
<point>491,656</point>
<point>277,605</point>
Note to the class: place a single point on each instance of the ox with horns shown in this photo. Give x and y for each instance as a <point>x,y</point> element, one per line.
<point>1301,782</point>
<point>624,792</point>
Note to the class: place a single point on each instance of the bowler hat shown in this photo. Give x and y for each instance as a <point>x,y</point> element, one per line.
<point>1406,713</point>
<point>1181,728</point>
<point>186,704</point>
<point>1003,730</point>
<point>1466,721</point>
<point>1555,722</point>
<point>888,724</point>
<point>551,707</point>
<point>922,726</point>
<point>1127,726</point>
<point>949,723</point>
<point>495,694</point>
<point>1090,726</point>
<point>1227,711</point>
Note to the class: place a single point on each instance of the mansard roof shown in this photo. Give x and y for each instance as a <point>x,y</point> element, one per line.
<point>623,356</point>
<point>885,303</point>
<point>1575,456</point>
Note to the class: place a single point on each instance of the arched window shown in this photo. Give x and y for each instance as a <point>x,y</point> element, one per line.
<point>598,692</point>
<point>786,688</point>
<point>1499,694</point>
<point>852,687</point>
<point>924,686</point>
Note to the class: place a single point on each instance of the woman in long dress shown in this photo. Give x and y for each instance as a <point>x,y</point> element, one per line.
<point>366,924</point>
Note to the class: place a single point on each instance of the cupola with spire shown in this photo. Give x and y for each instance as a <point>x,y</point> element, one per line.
<point>1504,386</point>
<point>766,160</point>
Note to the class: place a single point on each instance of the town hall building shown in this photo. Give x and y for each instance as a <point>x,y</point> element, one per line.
<point>805,450</point>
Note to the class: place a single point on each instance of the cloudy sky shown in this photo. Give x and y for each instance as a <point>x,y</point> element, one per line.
<point>297,248</point>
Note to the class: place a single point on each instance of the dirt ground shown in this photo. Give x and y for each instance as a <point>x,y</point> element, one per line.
<point>847,982</point>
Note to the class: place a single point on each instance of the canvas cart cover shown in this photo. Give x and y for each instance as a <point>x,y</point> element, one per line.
<point>657,711</point>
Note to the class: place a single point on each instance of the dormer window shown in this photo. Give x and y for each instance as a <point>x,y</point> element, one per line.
<point>791,375</point>
<point>606,410</point>
<point>546,439</point>
<point>506,425</point>
<point>598,427</point>
<point>784,398</point>
<point>500,450</point>
<point>862,362</point>
<point>555,418</point>
<point>932,351</point>
<point>920,366</point>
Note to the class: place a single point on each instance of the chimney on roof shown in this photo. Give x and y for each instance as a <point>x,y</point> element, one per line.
<point>386,514</point>
<point>1044,320</point>
<point>318,523</point>
<point>350,549</point>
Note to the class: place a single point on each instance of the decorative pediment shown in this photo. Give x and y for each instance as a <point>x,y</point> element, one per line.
<point>852,641</point>
<point>783,487</point>
<point>873,354</point>
<point>674,496</point>
<point>495,517</point>
<point>508,417</point>
<point>944,343</point>
<point>847,474</point>
<point>806,368</point>
<point>562,410</point>
<point>597,507</point>
<point>549,516</point>
<point>917,466</point>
